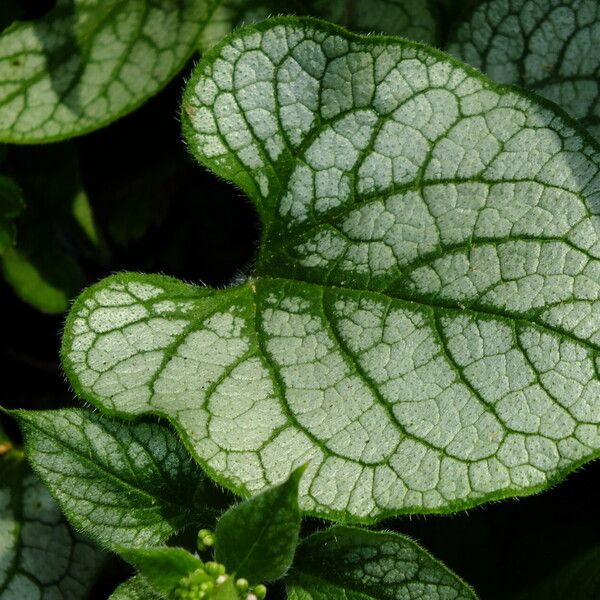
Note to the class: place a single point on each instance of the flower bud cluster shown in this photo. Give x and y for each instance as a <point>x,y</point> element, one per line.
<point>201,584</point>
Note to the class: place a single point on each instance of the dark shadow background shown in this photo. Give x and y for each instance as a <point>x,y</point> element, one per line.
<point>161,212</point>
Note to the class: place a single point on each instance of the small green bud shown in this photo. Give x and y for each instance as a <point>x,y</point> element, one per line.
<point>214,568</point>
<point>206,539</point>
<point>242,585</point>
<point>260,591</point>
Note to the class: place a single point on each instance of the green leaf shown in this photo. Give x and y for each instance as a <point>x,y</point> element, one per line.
<point>55,230</point>
<point>119,483</point>
<point>548,46</point>
<point>47,281</point>
<point>87,63</point>
<point>40,556</point>
<point>256,539</point>
<point>344,563</point>
<point>163,568</point>
<point>579,579</point>
<point>422,324</point>
<point>136,588</point>
<point>226,591</point>
<point>414,19</point>
<point>11,205</point>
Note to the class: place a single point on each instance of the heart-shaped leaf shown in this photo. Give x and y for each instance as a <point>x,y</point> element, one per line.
<point>122,485</point>
<point>413,19</point>
<point>344,563</point>
<point>86,63</point>
<point>40,556</point>
<point>548,46</point>
<point>423,321</point>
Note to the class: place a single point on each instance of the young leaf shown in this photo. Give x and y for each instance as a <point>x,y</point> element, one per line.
<point>119,483</point>
<point>256,539</point>
<point>11,204</point>
<point>163,568</point>
<point>423,320</point>
<point>344,563</point>
<point>87,63</point>
<point>40,556</point>
<point>548,46</point>
<point>414,19</point>
<point>136,588</point>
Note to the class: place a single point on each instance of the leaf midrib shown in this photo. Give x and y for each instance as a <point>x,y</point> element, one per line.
<point>441,305</point>
<point>110,475</point>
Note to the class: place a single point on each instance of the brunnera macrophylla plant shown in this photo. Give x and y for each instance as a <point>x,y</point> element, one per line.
<point>419,333</point>
<point>130,487</point>
<point>420,324</point>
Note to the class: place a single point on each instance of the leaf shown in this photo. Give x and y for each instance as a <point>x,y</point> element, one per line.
<point>55,231</point>
<point>256,539</point>
<point>547,46</point>
<point>579,579</point>
<point>136,588</point>
<point>87,63</point>
<point>226,591</point>
<point>40,556</point>
<point>422,324</point>
<point>344,563</point>
<point>163,568</point>
<point>11,204</point>
<point>413,19</point>
<point>47,281</point>
<point>120,484</point>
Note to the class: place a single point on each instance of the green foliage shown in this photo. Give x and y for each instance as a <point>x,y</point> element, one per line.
<point>87,63</point>
<point>344,563</point>
<point>414,19</point>
<point>398,326</point>
<point>419,331</point>
<point>163,568</point>
<point>40,555</point>
<point>120,485</point>
<point>136,588</point>
<point>56,230</point>
<point>256,539</point>
<point>542,45</point>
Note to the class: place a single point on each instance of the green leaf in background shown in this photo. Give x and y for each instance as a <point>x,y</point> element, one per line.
<point>344,563</point>
<point>548,46</point>
<point>86,63</point>
<point>414,19</point>
<point>11,205</point>
<point>163,568</point>
<point>256,539</point>
<point>578,579</point>
<point>119,483</point>
<point>136,588</point>
<point>422,324</point>
<point>56,230</point>
<point>40,556</point>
